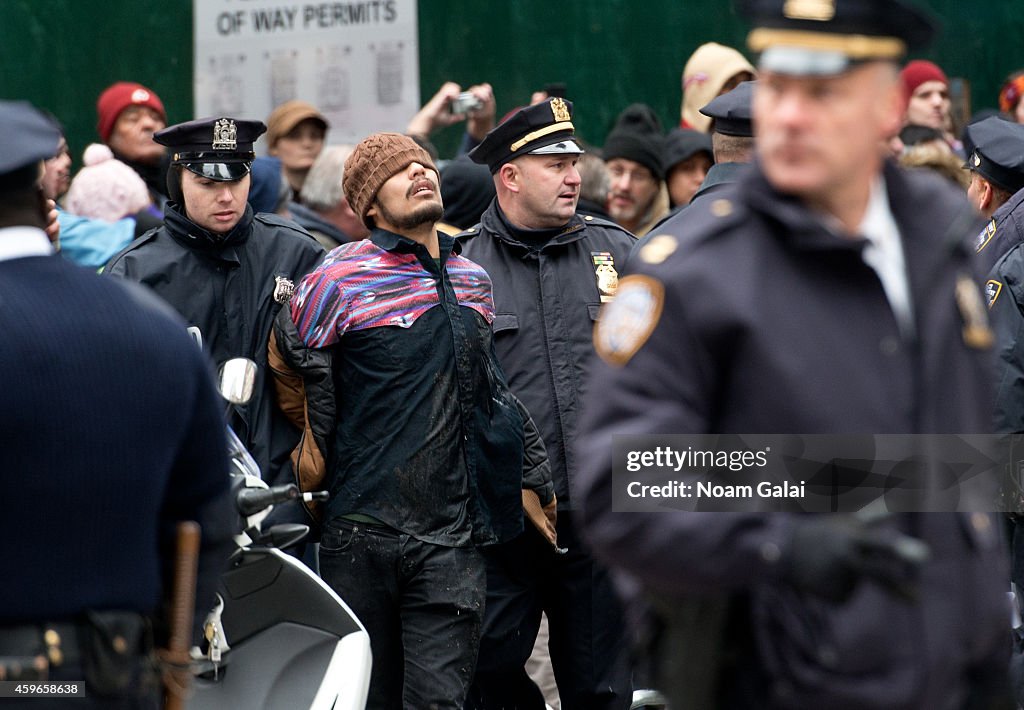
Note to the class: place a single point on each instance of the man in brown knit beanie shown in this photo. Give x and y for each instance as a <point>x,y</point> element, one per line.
<point>425,441</point>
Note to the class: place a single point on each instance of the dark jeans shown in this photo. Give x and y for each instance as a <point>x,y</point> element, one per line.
<point>587,643</point>
<point>421,605</point>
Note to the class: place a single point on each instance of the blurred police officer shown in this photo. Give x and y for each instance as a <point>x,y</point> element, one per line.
<point>112,433</point>
<point>825,292</point>
<point>551,271</point>
<point>226,270</point>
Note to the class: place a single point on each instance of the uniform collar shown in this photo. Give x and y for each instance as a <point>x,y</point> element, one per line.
<point>18,242</point>
<point>495,222</point>
<point>802,228</point>
<point>191,235</point>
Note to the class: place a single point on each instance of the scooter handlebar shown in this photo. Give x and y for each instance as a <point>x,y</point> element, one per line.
<point>252,500</point>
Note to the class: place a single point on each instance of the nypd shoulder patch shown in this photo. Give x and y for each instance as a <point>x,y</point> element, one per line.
<point>628,321</point>
<point>992,290</point>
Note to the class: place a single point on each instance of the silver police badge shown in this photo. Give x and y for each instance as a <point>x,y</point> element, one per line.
<point>284,289</point>
<point>225,135</point>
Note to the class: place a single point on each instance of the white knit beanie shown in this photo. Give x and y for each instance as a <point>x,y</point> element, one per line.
<point>105,188</point>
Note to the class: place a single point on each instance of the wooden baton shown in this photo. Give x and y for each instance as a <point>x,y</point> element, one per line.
<point>177,676</point>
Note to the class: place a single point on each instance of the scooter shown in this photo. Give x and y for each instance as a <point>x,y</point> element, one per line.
<point>279,637</point>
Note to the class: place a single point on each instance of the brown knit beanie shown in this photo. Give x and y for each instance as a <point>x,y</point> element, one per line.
<point>375,160</point>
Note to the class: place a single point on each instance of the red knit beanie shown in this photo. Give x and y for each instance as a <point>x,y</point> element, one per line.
<point>117,97</point>
<point>918,72</point>
<point>373,162</point>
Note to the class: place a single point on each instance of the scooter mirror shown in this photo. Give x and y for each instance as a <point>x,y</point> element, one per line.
<point>237,380</point>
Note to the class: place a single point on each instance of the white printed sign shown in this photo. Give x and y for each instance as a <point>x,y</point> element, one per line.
<point>357,62</point>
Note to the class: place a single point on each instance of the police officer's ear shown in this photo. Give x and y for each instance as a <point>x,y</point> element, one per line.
<point>986,194</point>
<point>509,176</point>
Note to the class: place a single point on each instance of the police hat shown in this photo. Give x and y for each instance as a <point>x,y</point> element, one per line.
<point>215,148</point>
<point>731,111</point>
<point>998,154</point>
<point>27,136</point>
<point>824,37</point>
<point>542,129</point>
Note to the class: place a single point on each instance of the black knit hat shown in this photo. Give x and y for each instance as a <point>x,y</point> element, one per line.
<point>684,143</point>
<point>637,136</point>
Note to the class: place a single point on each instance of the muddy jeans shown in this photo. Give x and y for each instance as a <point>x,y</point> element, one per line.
<point>421,605</point>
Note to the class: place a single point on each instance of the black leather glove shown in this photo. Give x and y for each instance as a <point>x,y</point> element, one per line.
<point>830,555</point>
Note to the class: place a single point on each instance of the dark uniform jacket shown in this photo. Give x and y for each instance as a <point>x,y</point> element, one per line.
<point>546,302</point>
<point>719,175</point>
<point>1001,246</point>
<point>1003,231</point>
<point>772,324</point>
<point>228,290</point>
<point>112,434</point>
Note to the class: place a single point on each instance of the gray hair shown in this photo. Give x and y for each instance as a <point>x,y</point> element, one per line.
<point>322,189</point>
<point>595,182</point>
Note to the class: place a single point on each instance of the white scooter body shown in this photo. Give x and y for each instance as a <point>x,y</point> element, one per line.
<point>293,642</point>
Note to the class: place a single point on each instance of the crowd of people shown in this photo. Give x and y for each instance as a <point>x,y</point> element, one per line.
<point>449,346</point>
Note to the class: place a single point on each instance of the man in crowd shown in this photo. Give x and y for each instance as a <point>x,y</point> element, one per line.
<point>638,198</point>
<point>732,143</point>
<point>112,435</point>
<point>129,115</point>
<point>224,269</point>
<point>295,135</point>
<point>926,91</point>
<point>322,208</point>
<point>426,463</point>
<point>552,271</point>
<point>819,278</point>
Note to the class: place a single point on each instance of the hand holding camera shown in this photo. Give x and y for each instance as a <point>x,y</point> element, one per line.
<point>464,103</point>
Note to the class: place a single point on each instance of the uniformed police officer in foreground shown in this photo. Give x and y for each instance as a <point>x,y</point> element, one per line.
<point>827,292</point>
<point>551,271</point>
<point>112,433</point>
<point>226,270</point>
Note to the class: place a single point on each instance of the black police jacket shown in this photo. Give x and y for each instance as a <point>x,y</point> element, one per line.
<point>1004,290</point>
<point>1003,231</point>
<point>546,302</point>
<point>228,289</point>
<point>772,324</point>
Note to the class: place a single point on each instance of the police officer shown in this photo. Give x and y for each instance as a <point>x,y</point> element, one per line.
<point>997,176</point>
<point>551,270</point>
<point>112,434</point>
<point>226,270</point>
<point>825,292</point>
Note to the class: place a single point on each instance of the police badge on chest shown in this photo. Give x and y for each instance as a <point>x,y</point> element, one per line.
<point>607,276</point>
<point>284,289</point>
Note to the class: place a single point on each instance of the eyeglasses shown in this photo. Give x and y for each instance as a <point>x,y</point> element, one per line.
<point>638,175</point>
